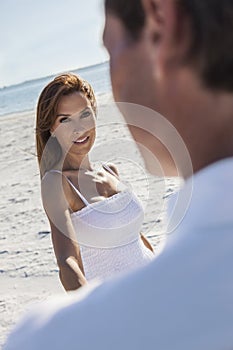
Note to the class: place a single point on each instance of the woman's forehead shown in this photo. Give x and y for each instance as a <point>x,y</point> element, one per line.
<point>73,103</point>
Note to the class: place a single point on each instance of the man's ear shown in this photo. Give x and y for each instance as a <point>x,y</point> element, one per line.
<point>154,16</point>
<point>168,31</point>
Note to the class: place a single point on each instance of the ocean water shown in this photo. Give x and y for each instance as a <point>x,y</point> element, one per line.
<point>23,97</point>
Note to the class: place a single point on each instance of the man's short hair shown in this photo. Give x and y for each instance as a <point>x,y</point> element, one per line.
<point>211,21</point>
<point>130,12</point>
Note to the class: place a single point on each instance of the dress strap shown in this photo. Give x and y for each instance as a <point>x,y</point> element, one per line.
<point>72,185</point>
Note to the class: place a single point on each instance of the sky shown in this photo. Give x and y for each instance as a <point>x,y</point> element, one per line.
<point>40,38</point>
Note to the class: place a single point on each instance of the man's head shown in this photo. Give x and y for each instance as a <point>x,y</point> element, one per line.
<point>175,57</point>
<point>125,21</point>
<point>211,36</point>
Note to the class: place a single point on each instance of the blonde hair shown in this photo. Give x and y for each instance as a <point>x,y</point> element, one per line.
<point>48,148</point>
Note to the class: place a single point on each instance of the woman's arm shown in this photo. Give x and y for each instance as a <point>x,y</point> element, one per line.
<point>69,260</point>
<point>65,246</point>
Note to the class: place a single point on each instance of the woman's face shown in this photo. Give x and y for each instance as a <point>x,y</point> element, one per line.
<point>75,127</point>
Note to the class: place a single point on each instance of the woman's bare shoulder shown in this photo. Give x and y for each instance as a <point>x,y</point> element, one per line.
<point>54,188</point>
<point>50,181</point>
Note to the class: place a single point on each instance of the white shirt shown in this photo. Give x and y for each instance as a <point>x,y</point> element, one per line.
<point>182,300</point>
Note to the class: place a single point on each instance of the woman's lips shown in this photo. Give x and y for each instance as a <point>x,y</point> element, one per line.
<point>82,140</point>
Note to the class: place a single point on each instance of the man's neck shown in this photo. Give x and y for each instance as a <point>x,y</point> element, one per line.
<point>204,119</point>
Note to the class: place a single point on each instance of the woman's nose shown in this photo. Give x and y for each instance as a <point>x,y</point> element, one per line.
<point>79,130</point>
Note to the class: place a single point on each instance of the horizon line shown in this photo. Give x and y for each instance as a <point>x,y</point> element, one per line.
<point>51,75</point>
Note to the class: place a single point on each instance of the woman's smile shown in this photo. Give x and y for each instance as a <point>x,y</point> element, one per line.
<point>81,140</point>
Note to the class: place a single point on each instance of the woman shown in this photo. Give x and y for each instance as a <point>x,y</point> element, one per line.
<point>95,221</point>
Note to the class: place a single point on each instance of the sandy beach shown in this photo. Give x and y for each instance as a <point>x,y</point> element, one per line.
<point>28,270</point>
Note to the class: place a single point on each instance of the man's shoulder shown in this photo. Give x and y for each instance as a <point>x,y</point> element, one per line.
<point>98,307</point>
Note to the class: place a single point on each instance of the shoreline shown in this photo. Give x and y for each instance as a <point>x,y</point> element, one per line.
<point>20,113</point>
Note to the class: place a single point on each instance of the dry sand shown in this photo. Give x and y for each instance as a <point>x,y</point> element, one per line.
<point>28,270</point>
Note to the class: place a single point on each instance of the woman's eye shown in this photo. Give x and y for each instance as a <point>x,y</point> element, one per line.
<point>86,114</point>
<point>64,120</point>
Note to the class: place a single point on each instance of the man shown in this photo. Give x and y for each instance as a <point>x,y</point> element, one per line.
<point>176,60</point>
